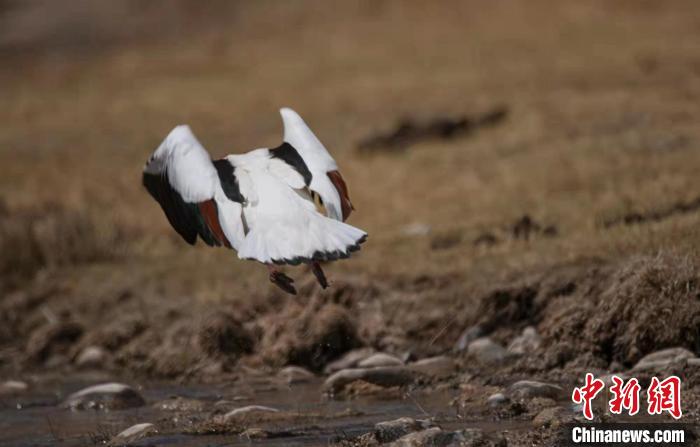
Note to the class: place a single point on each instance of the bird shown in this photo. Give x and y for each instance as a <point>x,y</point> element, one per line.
<point>278,206</point>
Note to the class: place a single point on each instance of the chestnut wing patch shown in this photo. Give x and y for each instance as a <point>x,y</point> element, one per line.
<point>188,219</point>
<point>342,188</point>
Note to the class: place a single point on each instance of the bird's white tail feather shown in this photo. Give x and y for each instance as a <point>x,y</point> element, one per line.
<point>288,242</point>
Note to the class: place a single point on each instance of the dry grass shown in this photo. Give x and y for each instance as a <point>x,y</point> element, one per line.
<point>603,100</point>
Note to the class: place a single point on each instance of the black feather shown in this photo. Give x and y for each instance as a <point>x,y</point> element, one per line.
<point>289,155</point>
<point>228,180</point>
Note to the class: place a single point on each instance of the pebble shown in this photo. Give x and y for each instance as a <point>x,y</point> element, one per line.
<point>436,437</point>
<point>250,410</point>
<point>13,387</point>
<point>661,359</point>
<point>440,366</point>
<point>349,360</point>
<point>385,376</point>
<point>528,389</point>
<point>91,357</point>
<point>133,433</point>
<point>527,342</point>
<point>487,351</point>
<point>389,431</point>
<point>469,335</point>
<point>108,396</point>
<point>296,374</point>
<point>497,399</point>
<point>380,359</point>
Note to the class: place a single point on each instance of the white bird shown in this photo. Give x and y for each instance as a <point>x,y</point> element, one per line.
<point>261,203</point>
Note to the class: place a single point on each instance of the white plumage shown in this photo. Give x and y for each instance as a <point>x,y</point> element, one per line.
<point>259,203</point>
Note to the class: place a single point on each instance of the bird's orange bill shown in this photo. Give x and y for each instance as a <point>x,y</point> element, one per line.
<point>210,213</point>
<point>342,189</point>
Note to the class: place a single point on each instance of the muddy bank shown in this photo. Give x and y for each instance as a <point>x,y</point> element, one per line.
<point>587,315</point>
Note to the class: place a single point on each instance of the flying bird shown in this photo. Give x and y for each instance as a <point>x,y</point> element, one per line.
<point>284,205</point>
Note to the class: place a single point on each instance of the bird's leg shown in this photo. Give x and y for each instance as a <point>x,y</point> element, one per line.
<point>318,273</point>
<point>281,280</point>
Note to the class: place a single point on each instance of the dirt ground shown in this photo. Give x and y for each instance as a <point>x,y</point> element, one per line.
<point>516,164</point>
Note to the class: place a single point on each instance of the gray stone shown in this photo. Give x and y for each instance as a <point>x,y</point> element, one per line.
<point>469,335</point>
<point>13,387</point>
<point>528,389</point>
<point>296,374</point>
<point>440,366</point>
<point>468,437</point>
<point>91,357</point>
<point>527,342</point>
<point>487,351</point>
<point>385,376</point>
<point>694,362</point>
<point>659,360</point>
<point>380,359</point>
<point>248,411</point>
<point>392,430</point>
<point>108,396</point>
<point>497,399</point>
<point>133,434</point>
<point>349,360</point>
<point>430,437</point>
<point>437,437</point>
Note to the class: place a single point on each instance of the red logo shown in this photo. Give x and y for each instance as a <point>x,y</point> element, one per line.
<point>626,396</point>
<point>587,393</point>
<point>662,396</point>
<point>665,396</point>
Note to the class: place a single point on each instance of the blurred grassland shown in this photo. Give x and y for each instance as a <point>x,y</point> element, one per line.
<point>603,100</point>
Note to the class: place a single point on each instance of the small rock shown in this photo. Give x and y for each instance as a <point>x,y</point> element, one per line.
<point>528,341</point>
<point>552,417</point>
<point>432,436</point>
<point>497,399</point>
<point>91,357</point>
<point>296,374</point>
<point>349,360</point>
<point>436,437</point>
<point>416,229</point>
<point>440,366</point>
<point>661,359</point>
<point>108,396</point>
<point>380,359</point>
<point>469,335</point>
<point>392,430</point>
<point>133,433</point>
<point>249,411</point>
<point>13,387</point>
<point>487,351</point>
<point>385,376</point>
<point>528,389</point>
<point>468,437</point>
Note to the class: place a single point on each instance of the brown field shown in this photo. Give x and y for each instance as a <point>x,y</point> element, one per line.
<point>599,148</point>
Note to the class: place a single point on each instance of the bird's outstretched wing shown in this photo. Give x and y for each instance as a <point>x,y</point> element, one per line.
<point>322,172</point>
<point>199,197</point>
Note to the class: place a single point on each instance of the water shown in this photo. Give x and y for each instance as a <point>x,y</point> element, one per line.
<point>36,419</point>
